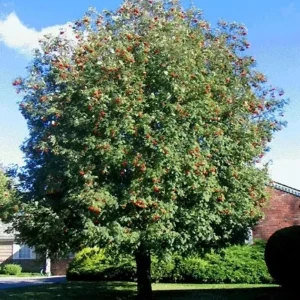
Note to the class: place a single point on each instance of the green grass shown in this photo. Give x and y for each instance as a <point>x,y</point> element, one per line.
<point>22,275</point>
<point>121,290</point>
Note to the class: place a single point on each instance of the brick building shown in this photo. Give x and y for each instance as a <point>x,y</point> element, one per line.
<point>283,210</point>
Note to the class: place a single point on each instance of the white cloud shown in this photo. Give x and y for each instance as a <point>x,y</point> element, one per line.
<point>14,34</point>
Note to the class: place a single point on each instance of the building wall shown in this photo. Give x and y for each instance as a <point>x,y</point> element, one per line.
<point>58,267</point>
<point>283,210</point>
<point>6,250</point>
<point>28,265</point>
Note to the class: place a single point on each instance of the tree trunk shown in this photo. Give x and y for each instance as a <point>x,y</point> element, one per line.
<point>48,264</point>
<point>143,265</point>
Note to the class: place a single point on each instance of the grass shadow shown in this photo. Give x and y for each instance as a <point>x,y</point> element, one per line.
<point>73,290</point>
<point>127,291</point>
<point>267,293</point>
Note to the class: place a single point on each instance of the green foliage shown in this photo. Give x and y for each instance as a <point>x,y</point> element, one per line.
<point>282,256</point>
<point>93,264</point>
<point>8,197</point>
<point>236,264</point>
<point>89,259</point>
<point>164,270</point>
<point>192,269</point>
<point>125,271</point>
<point>4,188</point>
<point>12,269</point>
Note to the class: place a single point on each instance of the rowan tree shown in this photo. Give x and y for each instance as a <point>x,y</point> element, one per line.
<point>145,127</point>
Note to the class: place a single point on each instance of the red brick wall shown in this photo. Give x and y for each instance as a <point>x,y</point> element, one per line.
<point>282,211</point>
<point>60,267</point>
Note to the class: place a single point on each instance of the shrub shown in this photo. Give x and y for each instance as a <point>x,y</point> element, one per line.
<point>125,271</point>
<point>192,270</point>
<point>236,264</point>
<point>87,262</point>
<point>12,269</point>
<point>282,256</point>
<point>163,269</point>
<point>92,264</point>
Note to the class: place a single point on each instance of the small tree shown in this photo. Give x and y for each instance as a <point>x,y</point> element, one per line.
<point>144,132</point>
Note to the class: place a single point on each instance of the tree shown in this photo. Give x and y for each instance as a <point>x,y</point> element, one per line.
<point>145,128</point>
<point>8,197</point>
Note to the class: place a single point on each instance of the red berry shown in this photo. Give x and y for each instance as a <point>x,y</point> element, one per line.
<point>156,189</point>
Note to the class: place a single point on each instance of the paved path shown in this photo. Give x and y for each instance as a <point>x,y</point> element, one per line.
<point>15,282</point>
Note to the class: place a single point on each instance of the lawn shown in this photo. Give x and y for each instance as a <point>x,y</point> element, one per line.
<point>22,275</point>
<point>120,291</point>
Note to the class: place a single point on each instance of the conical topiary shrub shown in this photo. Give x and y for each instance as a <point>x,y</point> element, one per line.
<point>282,256</point>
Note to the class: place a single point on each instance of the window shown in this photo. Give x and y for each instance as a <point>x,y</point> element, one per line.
<point>23,252</point>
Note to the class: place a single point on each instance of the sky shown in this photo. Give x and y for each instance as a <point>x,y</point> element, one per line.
<point>273,27</point>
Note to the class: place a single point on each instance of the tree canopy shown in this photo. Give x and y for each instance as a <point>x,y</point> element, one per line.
<point>145,125</point>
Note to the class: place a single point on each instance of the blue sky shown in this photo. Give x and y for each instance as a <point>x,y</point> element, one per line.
<point>274,30</point>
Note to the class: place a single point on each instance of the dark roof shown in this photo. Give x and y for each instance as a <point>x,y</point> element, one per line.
<point>285,188</point>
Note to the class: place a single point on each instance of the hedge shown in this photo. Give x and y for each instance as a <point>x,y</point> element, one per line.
<point>236,264</point>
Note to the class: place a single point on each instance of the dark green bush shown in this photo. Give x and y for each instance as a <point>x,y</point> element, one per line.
<point>12,269</point>
<point>192,270</point>
<point>237,264</point>
<point>282,256</point>
<point>164,270</point>
<point>125,271</point>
